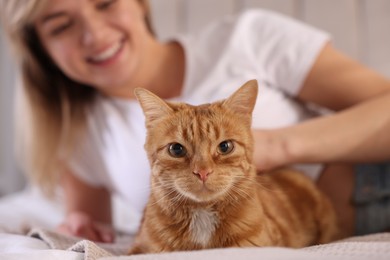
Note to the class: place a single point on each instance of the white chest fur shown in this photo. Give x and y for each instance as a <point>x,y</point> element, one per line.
<point>203,225</point>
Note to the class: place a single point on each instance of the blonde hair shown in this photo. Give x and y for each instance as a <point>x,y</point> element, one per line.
<point>56,105</point>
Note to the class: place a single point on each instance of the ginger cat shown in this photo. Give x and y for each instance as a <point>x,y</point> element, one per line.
<point>205,192</point>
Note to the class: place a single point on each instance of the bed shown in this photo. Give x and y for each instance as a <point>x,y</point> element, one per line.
<point>26,232</point>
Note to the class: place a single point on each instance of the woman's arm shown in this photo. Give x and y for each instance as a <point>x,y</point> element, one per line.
<point>358,132</point>
<point>88,210</point>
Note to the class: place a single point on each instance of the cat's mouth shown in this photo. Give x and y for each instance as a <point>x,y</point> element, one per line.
<point>202,193</point>
<point>205,188</point>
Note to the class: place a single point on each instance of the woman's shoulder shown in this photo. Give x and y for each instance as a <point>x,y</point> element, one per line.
<point>228,25</point>
<point>247,20</point>
<point>256,17</point>
<point>255,24</point>
<point>251,28</point>
<point>266,26</point>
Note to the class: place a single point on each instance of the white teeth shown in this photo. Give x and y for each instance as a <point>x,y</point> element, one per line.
<point>110,52</point>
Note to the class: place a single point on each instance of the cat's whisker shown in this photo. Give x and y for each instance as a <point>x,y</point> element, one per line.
<point>231,196</point>
<point>177,198</point>
<point>244,181</point>
<point>271,188</point>
<point>164,184</point>
<point>166,195</point>
<point>261,185</point>
<point>161,184</point>
<point>240,192</point>
<point>182,199</point>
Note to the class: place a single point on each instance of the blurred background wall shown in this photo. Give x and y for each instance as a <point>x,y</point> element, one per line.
<point>11,179</point>
<point>360,28</point>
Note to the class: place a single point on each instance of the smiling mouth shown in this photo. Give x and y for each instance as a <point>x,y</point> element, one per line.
<point>108,54</point>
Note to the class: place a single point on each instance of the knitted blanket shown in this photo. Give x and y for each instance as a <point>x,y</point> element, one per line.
<point>375,246</point>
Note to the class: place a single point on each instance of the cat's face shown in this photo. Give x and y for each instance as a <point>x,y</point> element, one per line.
<point>200,152</point>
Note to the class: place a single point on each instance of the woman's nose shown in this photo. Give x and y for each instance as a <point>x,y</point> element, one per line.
<point>92,31</point>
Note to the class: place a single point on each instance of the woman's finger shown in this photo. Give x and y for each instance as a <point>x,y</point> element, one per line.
<point>105,232</point>
<point>80,225</point>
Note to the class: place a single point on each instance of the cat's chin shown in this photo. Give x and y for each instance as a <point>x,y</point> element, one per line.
<point>203,194</point>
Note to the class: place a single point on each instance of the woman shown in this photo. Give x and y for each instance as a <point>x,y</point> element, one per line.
<point>81,60</point>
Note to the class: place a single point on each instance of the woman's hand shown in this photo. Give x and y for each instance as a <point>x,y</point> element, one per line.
<point>270,149</point>
<point>85,217</point>
<point>82,225</point>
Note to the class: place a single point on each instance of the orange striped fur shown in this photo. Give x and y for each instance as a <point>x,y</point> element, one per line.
<point>210,198</point>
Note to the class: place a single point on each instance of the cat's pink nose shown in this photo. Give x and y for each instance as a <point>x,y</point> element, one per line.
<point>202,174</point>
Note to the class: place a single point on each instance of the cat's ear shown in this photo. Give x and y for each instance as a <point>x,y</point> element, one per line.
<point>244,99</point>
<point>152,106</point>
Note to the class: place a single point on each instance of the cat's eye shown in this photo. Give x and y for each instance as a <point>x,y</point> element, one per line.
<point>225,147</point>
<point>177,150</point>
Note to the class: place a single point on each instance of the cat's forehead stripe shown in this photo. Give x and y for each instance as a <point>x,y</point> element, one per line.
<point>204,127</point>
<point>204,122</point>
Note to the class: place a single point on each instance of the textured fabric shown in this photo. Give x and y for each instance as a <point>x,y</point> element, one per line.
<point>358,248</point>
<point>92,250</point>
<point>372,198</point>
<point>275,50</point>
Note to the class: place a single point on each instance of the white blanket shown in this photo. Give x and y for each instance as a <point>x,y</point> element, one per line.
<point>27,209</point>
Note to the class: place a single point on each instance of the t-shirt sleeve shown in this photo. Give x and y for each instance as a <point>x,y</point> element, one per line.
<point>285,48</point>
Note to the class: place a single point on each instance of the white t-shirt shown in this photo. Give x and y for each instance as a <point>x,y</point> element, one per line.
<point>257,44</point>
